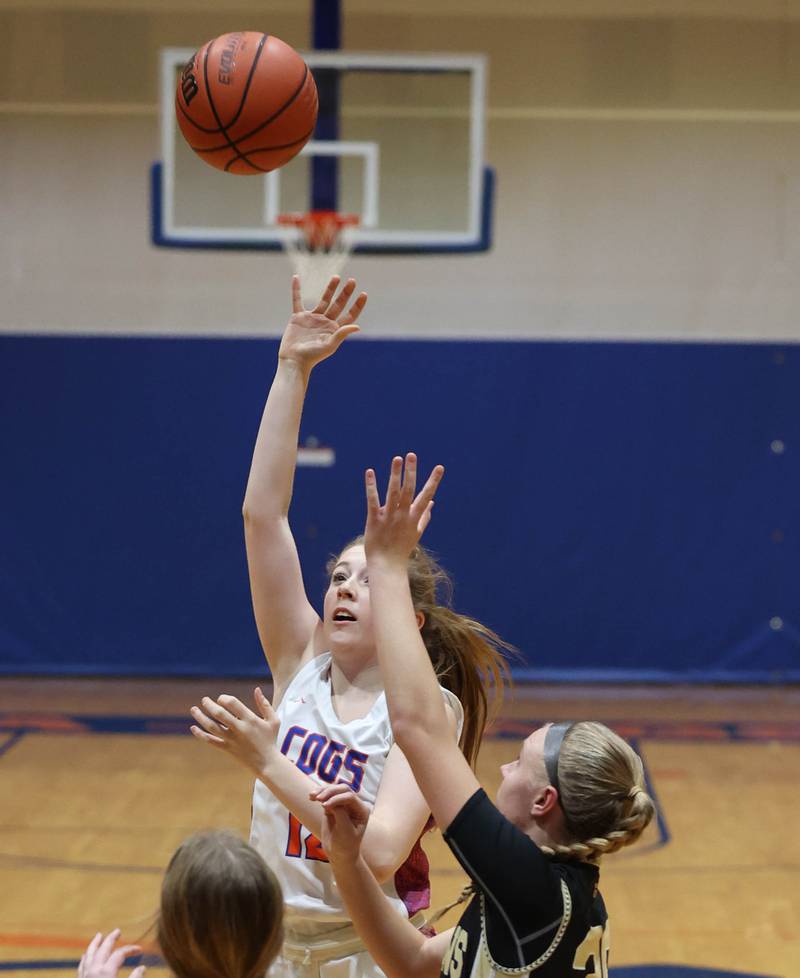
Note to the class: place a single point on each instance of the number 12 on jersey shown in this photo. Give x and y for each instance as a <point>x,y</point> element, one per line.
<point>303,844</point>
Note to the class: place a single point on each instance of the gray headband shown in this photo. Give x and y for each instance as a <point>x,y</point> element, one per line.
<point>553,740</point>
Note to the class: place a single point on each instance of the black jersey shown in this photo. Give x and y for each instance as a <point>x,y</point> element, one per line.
<point>530,914</point>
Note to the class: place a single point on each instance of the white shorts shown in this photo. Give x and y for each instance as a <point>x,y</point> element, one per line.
<point>359,965</point>
<point>323,951</point>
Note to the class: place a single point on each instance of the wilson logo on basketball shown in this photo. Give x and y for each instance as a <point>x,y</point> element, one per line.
<point>226,61</point>
<point>253,102</point>
<point>188,83</point>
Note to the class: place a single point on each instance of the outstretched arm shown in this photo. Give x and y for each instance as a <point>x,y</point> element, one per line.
<point>415,704</point>
<point>287,624</point>
<point>400,811</point>
<point>399,949</point>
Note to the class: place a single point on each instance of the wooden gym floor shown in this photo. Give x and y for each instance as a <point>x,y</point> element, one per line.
<point>101,780</point>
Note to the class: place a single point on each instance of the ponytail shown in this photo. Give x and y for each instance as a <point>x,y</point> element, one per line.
<point>602,792</point>
<point>467,660</point>
<point>467,656</point>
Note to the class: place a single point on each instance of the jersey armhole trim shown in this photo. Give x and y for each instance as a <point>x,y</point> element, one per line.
<point>312,661</point>
<point>546,955</point>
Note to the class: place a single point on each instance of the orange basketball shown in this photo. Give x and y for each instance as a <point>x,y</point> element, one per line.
<point>246,102</point>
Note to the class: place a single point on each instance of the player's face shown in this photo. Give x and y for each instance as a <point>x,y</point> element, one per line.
<point>347,614</point>
<point>522,781</point>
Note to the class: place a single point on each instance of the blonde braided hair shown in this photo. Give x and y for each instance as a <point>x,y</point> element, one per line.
<point>602,791</point>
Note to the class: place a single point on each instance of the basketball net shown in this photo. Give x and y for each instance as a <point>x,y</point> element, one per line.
<point>318,245</point>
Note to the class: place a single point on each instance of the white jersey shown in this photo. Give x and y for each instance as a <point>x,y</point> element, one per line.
<point>329,752</point>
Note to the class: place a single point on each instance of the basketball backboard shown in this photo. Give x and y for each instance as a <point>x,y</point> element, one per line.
<point>402,148</point>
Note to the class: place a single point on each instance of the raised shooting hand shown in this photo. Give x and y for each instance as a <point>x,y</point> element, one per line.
<point>312,335</point>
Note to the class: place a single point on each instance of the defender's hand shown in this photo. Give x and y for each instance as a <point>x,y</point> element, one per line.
<point>394,529</point>
<point>345,822</point>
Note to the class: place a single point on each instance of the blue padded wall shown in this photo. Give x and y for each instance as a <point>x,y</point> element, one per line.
<point>615,510</point>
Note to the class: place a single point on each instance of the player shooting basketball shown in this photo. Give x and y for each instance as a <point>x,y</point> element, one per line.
<point>330,723</point>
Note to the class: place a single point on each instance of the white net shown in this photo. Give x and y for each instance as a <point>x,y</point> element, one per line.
<point>318,246</point>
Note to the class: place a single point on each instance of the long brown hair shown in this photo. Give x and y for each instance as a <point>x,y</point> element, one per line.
<point>602,791</point>
<point>467,656</point>
<point>221,909</point>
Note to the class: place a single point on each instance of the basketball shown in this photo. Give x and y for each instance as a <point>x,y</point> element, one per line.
<point>246,102</point>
